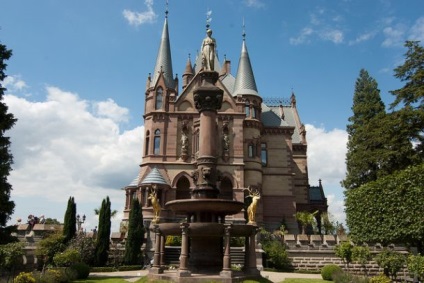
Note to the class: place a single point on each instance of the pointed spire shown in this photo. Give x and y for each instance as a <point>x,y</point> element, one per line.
<point>245,80</point>
<point>163,60</point>
<point>188,73</point>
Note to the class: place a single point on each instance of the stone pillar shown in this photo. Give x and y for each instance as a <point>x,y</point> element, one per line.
<point>226,270</point>
<point>207,99</point>
<point>183,269</point>
<point>162,250</point>
<point>156,257</point>
<point>253,270</point>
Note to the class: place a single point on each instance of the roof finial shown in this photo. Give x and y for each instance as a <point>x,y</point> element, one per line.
<point>208,18</point>
<point>166,10</point>
<point>244,30</point>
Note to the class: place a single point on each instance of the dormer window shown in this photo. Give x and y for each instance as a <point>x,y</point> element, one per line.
<point>159,98</point>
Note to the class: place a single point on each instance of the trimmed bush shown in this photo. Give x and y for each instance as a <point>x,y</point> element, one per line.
<point>24,277</point>
<point>329,270</point>
<point>82,270</point>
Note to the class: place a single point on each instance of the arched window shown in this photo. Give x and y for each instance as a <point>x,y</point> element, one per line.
<point>226,188</point>
<point>247,109</point>
<point>264,154</point>
<point>156,146</point>
<point>159,98</point>
<point>146,145</point>
<point>183,188</point>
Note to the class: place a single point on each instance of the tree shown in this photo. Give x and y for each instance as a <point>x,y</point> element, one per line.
<point>70,222</point>
<point>362,255</point>
<point>328,224</point>
<point>48,247</point>
<point>362,155</point>
<point>10,257</point>
<point>305,218</point>
<point>389,210</point>
<point>103,235</point>
<point>7,120</point>
<point>133,254</point>
<point>344,251</point>
<point>412,94</point>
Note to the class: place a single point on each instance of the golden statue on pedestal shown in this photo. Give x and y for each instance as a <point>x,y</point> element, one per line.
<point>251,210</point>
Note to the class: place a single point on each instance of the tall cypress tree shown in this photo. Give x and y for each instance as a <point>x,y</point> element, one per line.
<point>135,235</point>
<point>103,235</point>
<point>7,120</point>
<point>363,130</point>
<point>70,222</point>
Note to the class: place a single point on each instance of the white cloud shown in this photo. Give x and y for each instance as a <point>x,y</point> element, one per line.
<point>334,35</point>
<point>110,109</point>
<point>254,3</point>
<point>14,83</point>
<point>394,36</point>
<point>139,18</point>
<point>363,37</point>
<point>326,161</point>
<point>303,36</point>
<point>417,30</point>
<point>62,149</point>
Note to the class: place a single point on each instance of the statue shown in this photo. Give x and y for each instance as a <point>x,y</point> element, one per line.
<point>184,141</point>
<point>208,51</point>
<point>156,206</point>
<point>251,210</point>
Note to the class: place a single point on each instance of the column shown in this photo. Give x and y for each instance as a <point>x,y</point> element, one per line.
<point>183,270</point>
<point>156,257</point>
<point>226,270</point>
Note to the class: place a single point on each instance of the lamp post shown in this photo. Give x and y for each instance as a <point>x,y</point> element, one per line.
<point>80,220</point>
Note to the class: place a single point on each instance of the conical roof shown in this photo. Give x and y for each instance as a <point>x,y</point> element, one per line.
<point>163,60</point>
<point>154,177</point>
<point>245,80</point>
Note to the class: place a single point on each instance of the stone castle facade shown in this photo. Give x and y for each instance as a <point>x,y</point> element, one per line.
<point>261,144</point>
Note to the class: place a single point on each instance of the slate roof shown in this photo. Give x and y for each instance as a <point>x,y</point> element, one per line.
<point>154,177</point>
<point>245,80</point>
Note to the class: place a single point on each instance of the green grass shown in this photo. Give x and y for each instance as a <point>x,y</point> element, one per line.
<point>304,280</point>
<point>144,279</point>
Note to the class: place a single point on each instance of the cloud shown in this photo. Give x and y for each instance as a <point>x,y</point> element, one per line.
<point>333,35</point>
<point>62,148</point>
<point>394,35</point>
<point>417,30</point>
<point>303,37</point>
<point>254,3</point>
<point>139,18</point>
<point>363,37</point>
<point>14,83</point>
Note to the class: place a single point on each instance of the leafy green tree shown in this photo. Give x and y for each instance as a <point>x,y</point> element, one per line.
<point>411,96</point>
<point>48,247</point>
<point>103,235</point>
<point>7,206</point>
<point>391,262</point>
<point>10,257</point>
<point>305,218</point>
<point>328,224</point>
<point>362,156</point>
<point>415,264</point>
<point>133,254</point>
<point>389,210</point>
<point>362,255</point>
<point>70,221</point>
<point>86,246</point>
<point>344,251</point>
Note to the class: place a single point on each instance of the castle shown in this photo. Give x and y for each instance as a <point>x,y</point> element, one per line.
<point>261,144</point>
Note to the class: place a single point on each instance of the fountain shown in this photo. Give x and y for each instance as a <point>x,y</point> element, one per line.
<point>205,247</point>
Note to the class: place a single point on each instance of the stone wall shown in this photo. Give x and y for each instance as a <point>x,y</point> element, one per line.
<point>312,252</point>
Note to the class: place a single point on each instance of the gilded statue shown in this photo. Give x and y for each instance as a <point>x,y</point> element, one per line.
<point>156,205</point>
<point>251,210</point>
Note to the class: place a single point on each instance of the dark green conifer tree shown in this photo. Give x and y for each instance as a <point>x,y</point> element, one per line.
<point>70,222</point>
<point>103,235</point>
<point>133,254</point>
<point>7,120</point>
<point>361,158</point>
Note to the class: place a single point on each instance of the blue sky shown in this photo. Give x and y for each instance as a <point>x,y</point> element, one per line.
<point>78,72</point>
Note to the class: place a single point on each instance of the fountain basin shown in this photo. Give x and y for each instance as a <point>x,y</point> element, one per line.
<point>215,206</point>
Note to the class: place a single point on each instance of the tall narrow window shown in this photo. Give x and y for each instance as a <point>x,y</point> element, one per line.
<point>159,98</point>
<point>156,148</point>
<point>251,150</point>
<point>264,154</point>
<point>254,116</point>
<point>247,109</point>
<point>146,146</point>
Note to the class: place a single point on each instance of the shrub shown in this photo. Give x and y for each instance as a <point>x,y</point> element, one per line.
<point>67,258</point>
<point>24,277</point>
<point>416,265</point>
<point>344,251</point>
<point>329,270</point>
<point>276,255</point>
<point>381,278</point>
<point>346,277</point>
<point>82,270</point>
<point>391,262</point>
<point>53,275</point>
<point>86,247</point>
